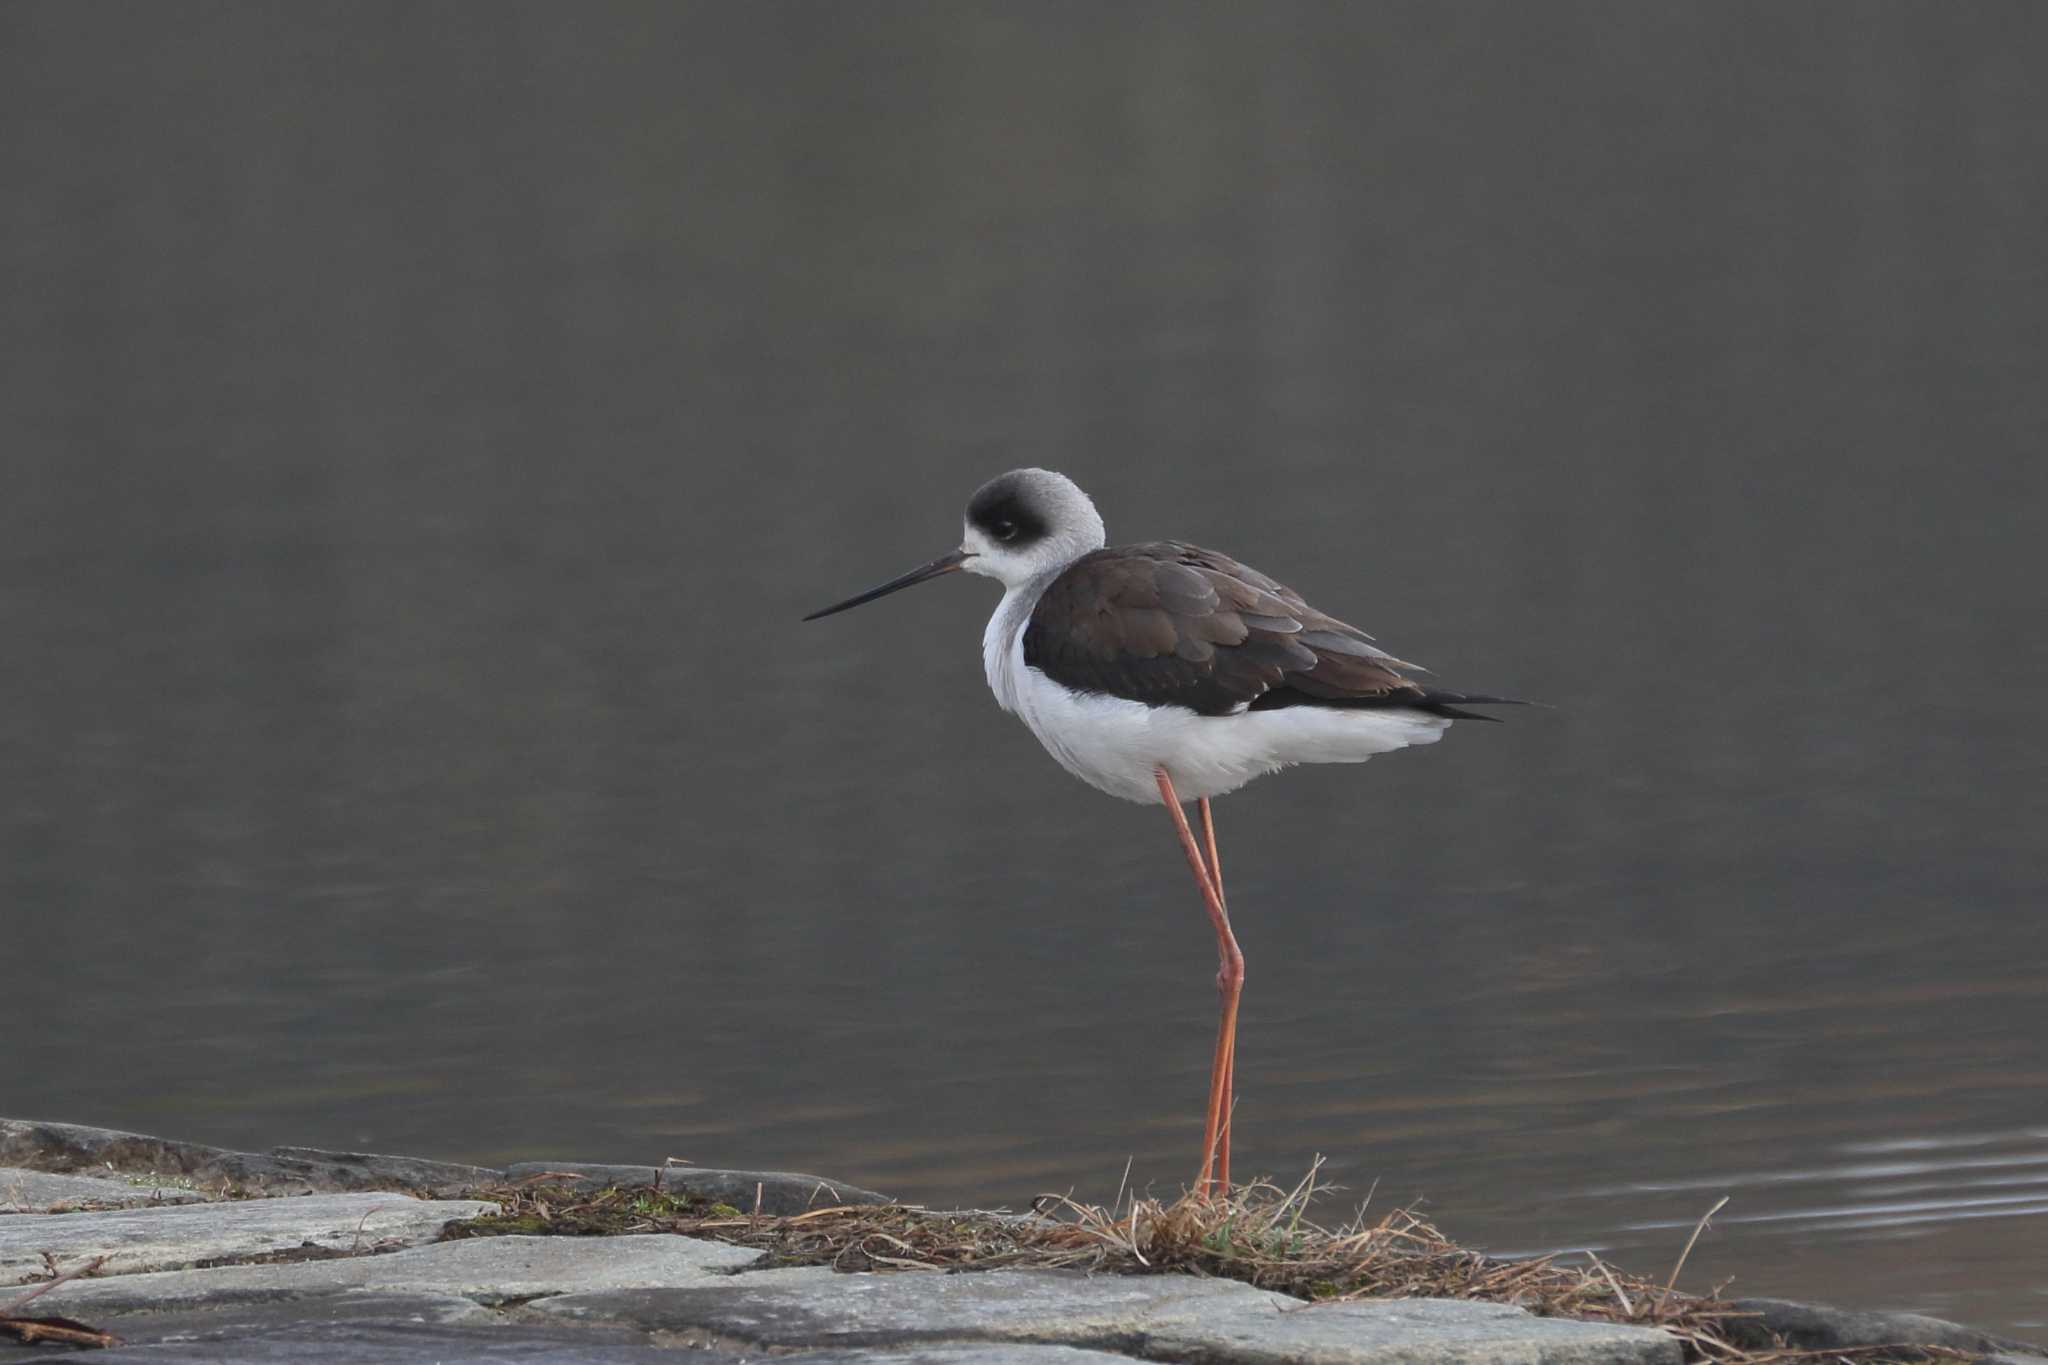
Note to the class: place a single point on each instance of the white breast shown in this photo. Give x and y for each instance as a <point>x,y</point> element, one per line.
<point>1116,746</point>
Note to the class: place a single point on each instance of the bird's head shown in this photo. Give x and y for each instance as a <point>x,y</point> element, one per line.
<point>1019,526</point>
<point>1026,523</point>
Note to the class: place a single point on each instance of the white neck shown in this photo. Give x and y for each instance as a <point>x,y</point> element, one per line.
<point>999,655</point>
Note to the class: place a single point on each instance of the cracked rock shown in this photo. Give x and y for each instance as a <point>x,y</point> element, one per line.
<point>489,1270</point>
<point>794,1308</point>
<point>42,1192</point>
<point>1822,1327</point>
<point>1164,1317</point>
<point>135,1240</point>
<point>74,1147</point>
<point>1399,1331</point>
<point>995,1353</point>
<point>370,1328</point>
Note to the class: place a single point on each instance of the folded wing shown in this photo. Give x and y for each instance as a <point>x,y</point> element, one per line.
<point>1171,624</point>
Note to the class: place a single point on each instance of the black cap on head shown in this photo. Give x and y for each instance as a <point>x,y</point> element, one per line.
<point>1005,510</point>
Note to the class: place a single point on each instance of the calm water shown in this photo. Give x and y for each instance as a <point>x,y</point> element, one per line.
<point>421,427</point>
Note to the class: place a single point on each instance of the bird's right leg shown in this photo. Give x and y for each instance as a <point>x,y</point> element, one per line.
<point>1224,986</point>
<point>1230,982</point>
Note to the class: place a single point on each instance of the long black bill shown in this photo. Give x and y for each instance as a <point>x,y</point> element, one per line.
<point>945,563</point>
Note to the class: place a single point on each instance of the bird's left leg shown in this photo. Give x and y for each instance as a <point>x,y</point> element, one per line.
<point>1229,978</point>
<point>1229,1105</point>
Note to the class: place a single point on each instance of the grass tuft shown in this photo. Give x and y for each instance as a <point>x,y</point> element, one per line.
<point>1260,1234</point>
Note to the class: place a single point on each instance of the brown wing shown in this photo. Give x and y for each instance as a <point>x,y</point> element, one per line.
<point>1174,624</point>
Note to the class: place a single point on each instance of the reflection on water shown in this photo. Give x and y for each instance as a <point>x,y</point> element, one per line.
<point>421,440</point>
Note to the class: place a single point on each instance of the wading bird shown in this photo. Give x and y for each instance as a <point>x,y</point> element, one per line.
<point>1164,672</point>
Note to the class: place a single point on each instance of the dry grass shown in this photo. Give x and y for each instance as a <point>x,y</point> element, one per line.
<point>1262,1235</point>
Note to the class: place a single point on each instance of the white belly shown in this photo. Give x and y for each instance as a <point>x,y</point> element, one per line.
<point>1116,745</point>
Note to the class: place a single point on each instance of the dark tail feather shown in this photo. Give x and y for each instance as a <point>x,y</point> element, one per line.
<point>1446,704</point>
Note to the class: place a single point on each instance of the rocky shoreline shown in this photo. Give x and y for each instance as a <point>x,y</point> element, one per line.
<point>296,1254</point>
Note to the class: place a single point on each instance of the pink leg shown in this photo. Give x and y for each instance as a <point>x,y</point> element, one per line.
<point>1229,984</point>
<point>1229,1106</point>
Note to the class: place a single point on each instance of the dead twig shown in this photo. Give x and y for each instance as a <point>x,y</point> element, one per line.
<point>355,1247</point>
<point>1697,1229</point>
<point>1620,1295</point>
<point>63,1331</point>
<point>17,1304</point>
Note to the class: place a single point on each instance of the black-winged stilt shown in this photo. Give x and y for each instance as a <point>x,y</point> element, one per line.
<point>1163,672</point>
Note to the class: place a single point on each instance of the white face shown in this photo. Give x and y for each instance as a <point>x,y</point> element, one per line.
<point>1008,567</point>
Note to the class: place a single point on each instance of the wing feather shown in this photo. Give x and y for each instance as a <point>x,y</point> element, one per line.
<point>1168,623</point>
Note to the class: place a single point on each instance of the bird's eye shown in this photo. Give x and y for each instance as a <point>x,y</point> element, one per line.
<point>1004,530</point>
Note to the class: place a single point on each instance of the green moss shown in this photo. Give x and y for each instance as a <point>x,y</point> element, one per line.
<point>660,1204</point>
<point>558,1211</point>
<point>498,1225</point>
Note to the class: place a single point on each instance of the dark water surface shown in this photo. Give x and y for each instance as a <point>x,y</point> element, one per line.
<point>421,427</point>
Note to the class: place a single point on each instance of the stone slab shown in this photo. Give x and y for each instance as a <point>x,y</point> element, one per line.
<point>136,1240</point>
<point>369,1343</point>
<point>1823,1327</point>
<point>71,1147</point>
<point>979,1353</point>
<point>377,1344</point>
<point>1400,1332</point>
<point>42,1192</point>
<point>374,1171</point>
<point>1164,1317</point>
<point>386,1344</point>
<point>425,1329</point>
<point>584,1175</point>
<point>377,1328</point>
<point>811,1307</point>
<point>779,1192</point>
<point>487,1270</point>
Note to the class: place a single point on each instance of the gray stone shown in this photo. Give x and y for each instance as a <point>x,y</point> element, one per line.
<point>1822,1327</point>
<point>171,1238</point>
<point>583,1175</point>
<point>385,1344</point>
<point>1401,1332</point>
<point>489,1270</point>
<point>369,1171</point>
<point>1164,1317</point>
<point>779,1192</point>
<point>359,1327</point>
<point>793,1308</point>
<point>62,1147</point>
<point>41,1192</point>
<point>144,1338</point>
<point>991,1353</point>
